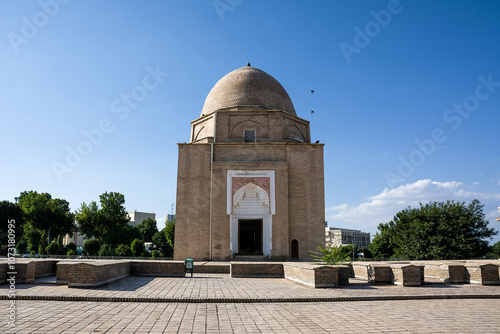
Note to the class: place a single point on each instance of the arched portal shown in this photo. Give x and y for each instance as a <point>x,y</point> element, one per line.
<point>251,221</point>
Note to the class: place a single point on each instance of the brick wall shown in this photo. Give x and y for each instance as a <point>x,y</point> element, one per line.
<point>25,271</point>
<point>315,276</point>
<point>257,269</point>
<point>485,274</point>
<point>98,273</point>
<point>407,274</point>
<point>157,268</point>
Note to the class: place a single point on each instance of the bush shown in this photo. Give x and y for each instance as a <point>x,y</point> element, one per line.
<point>33,254</point>
<point>124,250</point>
<point>21,247</point>
<point>156,253</point>
<point>52,248</point>
<point>106,250</point>
<point>138,247</point>
<point>41,250</point>
<point>92,247</point>
<point>70,246</point>
<point>70,253</point>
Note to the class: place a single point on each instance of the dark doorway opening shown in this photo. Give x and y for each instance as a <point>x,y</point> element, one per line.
<point>250,237</point>
<point>295,250</point>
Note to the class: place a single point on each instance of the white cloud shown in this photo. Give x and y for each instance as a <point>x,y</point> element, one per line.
<point>382,207</point>
<point>499,182</point>
<point>476,183</point>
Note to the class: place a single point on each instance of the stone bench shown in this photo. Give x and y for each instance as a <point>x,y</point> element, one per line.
<point>256,269</point>
<point>96,273</point>
<point>482,273</point>
<point>316,276</point>
<point>157,268</point>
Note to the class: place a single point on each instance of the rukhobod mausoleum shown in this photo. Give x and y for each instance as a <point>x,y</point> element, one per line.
<point>250,183</point>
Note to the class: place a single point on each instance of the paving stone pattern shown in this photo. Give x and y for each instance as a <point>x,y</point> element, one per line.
<point>251,305</point>
<point>414,316</point>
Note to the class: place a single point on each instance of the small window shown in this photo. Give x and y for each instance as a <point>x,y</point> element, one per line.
<point>250,136</point>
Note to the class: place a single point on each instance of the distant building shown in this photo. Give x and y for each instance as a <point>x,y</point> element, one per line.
<point>335,236</point>
<point>498,219</point>
<point>137,217</point>
<point>170,218</point>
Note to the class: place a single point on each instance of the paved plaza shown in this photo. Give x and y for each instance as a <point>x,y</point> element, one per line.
<point>216,303</point>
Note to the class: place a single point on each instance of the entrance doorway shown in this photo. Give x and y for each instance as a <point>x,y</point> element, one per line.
<point>295,250</point>
<point>250,237</point>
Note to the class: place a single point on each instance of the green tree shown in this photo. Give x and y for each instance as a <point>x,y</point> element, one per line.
<point>8,212</point>
<point>50,216</point>
<point>148,229</point>
<point>382,245</point>
<point>441,231</point>
<point>92,246</point>
<point>105,223</point>
<point>494,251</point>
<point>169,231</point>
<point>161,243</point>
<point>330,254</point>
<point>137,247</point>
<point>124,250</point>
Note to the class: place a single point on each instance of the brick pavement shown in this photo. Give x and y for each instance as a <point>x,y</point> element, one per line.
<point>222,288</point>
<point>413,316</point>
<point>239,308</point>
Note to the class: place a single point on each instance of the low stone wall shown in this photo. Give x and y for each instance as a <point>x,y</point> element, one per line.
<point>256,269</point>
<point>380,274</point>
<point>345,271</point>
<point>96,273</point>
<point>62,271</point>
<point>25,271</point>
<point>406,274</point>
<point>315,276</point>
<point>3,271</point>
<point>361,269</point>
<point>439,272</point>
<point>212,267</point>
<point>157,268</point>
<point>485,274</point>
<point>45,267</point>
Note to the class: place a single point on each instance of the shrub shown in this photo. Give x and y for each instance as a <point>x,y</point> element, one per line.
<point>70,253</point>
<point>138,247</point>
<point>156,253</point>
<point>124,250</point>
<point>41,250</point>
<point>21,247</point>
<point>106,250</point>
<point>92,247</point>
<point>70,246</point>
<point>52,248</point>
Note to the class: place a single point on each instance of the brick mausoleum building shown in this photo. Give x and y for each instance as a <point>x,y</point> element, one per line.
<point>250,182</point>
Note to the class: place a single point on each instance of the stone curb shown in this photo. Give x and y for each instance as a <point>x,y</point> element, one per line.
<point>243,300</point>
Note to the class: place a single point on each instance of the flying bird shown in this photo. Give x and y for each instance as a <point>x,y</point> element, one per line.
<point>312,91</point>
<point>312,112</point>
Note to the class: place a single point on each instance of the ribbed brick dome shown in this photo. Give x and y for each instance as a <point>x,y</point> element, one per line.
<point>248,86</point>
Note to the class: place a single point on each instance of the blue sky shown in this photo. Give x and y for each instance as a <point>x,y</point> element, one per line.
<point>407,95</point>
